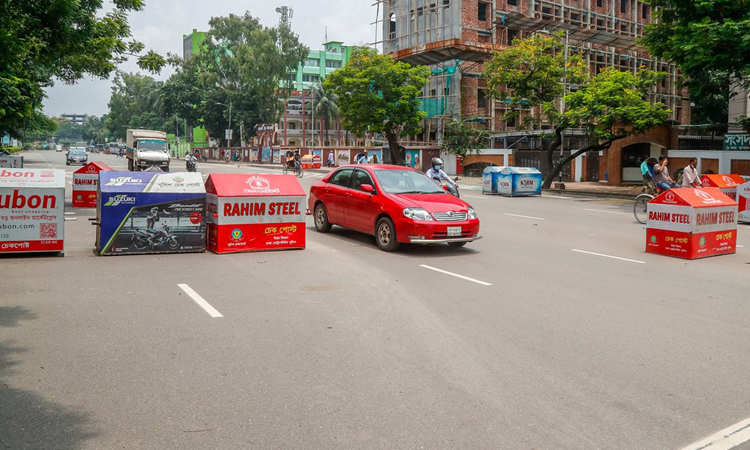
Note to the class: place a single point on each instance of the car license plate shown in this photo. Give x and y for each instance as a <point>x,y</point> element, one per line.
<point>454,231</point>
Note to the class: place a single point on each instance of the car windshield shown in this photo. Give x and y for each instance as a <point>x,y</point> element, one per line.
<point>77,151</point>
<point>406,182</point>
<point>158,146</point>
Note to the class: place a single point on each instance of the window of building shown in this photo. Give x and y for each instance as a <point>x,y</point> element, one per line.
<point>623,6</point>
<point>513,2</point>
<point>392,29</point>
<point>575,16</point>
<point>599,3</point>
<point>600,24</point>
<point>511,122</point>
<point>481,98</point>
<point>482,12</point>
<point>312,63</point>
<point>433,92</point>
<point>446,3</point>
<point>310,78</point>
<point>333,64</point>
<point>644,12</point>
<point>512,35</point>
<point>292,126</point>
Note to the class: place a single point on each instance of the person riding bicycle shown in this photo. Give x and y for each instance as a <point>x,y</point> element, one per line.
<point>290,159</point>
<point>437,174</point>
<point>297,161</point>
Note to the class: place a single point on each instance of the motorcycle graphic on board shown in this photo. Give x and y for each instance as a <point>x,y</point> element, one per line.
<point>151,238</point>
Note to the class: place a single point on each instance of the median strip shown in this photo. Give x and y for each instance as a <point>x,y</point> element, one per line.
<point>725,439</point>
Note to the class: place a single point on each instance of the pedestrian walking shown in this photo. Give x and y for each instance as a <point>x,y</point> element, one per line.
<point>330,159</point>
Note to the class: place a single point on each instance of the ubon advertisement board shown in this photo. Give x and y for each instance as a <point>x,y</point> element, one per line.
<point>254,213</point>
<point>150,212</point>
<point>692,223</point>
<point>32,210</point>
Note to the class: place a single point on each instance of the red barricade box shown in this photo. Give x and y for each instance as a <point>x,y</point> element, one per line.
<point>254,212</point>
<point>692,223</point>
<point>311,162</point>
<point>85,184</point>
<point>743,198</point>
<point>726,183</point>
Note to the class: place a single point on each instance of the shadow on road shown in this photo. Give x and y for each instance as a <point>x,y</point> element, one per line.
<point>28,421</point>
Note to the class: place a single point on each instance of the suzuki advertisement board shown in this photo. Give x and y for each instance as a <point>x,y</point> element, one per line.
<point>255,212</point>
<point>150,212</point>
<point>85,184</point>
<point>518,181</point>
<point>32,210</point>
<point>692,223</point>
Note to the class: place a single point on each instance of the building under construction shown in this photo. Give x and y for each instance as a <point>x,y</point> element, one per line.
<point>455,38</point>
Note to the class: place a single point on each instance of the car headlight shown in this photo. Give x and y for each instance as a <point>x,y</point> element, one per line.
<point>417,214</point>
<point>472,214</point>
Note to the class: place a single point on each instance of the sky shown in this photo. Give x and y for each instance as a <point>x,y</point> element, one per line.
<point>162,23</point>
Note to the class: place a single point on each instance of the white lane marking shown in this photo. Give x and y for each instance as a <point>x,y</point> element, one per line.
<point>608,256</point>
<point>475,196</point>
<point>69,213</point>
<point>725,439</point>
<point>524,217</point>
<point>199,300</point>
<point>455,275</point>
<point>557,196</point>
<point>603,211</point>
<point>740,246</point>
<point>68,219</point>
<point>470,188</point>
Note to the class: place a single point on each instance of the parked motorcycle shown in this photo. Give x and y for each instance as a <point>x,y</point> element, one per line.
<point>190,163</point>
<point>150,238</point>
<point>451,189</point>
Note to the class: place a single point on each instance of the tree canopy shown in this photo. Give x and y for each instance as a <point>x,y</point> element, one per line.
<point>462,137</point>
<point>380,95</point>
<point>608,106</point>
<point>64,40</point>
<point>325,106</point>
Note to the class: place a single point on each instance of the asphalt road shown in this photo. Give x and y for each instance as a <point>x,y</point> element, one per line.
<point>344,346</point>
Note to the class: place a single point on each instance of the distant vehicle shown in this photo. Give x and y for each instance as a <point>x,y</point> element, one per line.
<point>58,148</point>
<point>147,149</point>
<point>395,204</point>
<point>111,148</point>
<point>76,155</point>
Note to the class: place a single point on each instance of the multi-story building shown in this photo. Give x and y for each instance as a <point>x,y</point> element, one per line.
<point>455,38</point>
<point>296,127</point>
<point>77,119</point>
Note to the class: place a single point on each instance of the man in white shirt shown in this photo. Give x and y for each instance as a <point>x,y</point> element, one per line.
<point>690,176</point>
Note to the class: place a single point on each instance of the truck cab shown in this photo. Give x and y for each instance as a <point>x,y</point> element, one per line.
<point>146,149</point>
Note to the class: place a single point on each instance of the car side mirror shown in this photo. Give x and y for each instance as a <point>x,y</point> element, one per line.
<point>367,188</point>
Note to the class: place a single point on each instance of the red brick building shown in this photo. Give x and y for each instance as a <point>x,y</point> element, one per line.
<point>455,38</point>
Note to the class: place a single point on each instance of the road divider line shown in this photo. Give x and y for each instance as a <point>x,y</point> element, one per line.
<point>483,283</point>
<point>740,246</point>
<point>476,196</point>
<point>725,439</point>
<point>524,217</point>
<point>603,211</point>
<point>200,301</point>
<point>609,256</point>
<point>558,196</point>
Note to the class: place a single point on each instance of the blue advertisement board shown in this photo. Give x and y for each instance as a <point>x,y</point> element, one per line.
<point>150,212</point>
<point>517,181</point>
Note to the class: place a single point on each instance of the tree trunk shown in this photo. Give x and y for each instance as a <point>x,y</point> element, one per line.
<point>550,150</point>
<point>395,150</point>
<point>561,164</point>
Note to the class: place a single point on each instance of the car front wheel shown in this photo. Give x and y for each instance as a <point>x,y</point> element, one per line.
<point>385,235</point>
<point>321,219</point>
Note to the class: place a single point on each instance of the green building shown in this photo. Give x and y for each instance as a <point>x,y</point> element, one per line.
<point>319,63</point>
<point>191,45</point>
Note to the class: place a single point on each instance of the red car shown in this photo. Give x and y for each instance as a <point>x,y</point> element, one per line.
<point>395,204</point>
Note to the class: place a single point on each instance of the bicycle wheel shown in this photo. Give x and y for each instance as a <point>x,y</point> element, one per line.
<point>640,208</point>
<point>284,168</point>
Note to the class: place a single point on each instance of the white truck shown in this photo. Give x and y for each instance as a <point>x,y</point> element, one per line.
<point>146,149</point>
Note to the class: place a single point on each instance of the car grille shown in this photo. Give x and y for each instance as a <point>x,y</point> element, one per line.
<point>452,216</point>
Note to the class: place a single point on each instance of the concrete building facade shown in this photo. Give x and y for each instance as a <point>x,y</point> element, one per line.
<point>455,38</point>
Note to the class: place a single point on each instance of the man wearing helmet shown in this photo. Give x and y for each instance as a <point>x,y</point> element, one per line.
<point>152,217</point>
<point>438,175</point>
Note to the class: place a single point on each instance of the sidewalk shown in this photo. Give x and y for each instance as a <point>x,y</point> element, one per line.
<point>594,189</point>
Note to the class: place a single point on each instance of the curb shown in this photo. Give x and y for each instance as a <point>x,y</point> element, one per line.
<point>258,166</point>
<point>599,194</point>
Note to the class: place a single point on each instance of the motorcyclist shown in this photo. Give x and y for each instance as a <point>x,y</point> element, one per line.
<point>438,175</point>
<point>189,161</point>
<point>152,218</point>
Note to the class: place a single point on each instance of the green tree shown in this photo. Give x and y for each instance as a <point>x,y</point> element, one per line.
<point>462,137</point>
<point>62,39</point>
<point>609,106</point>
<point>249,63</point>
<point>134,103</point>
<point>93,130</point>
<point>380,95</point>
<point>325,106</point>
<point>707,38</point>
<point>68,131</point>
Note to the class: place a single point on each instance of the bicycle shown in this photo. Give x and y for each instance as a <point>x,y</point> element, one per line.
<point>648,192</point>
<point>296,169</point>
